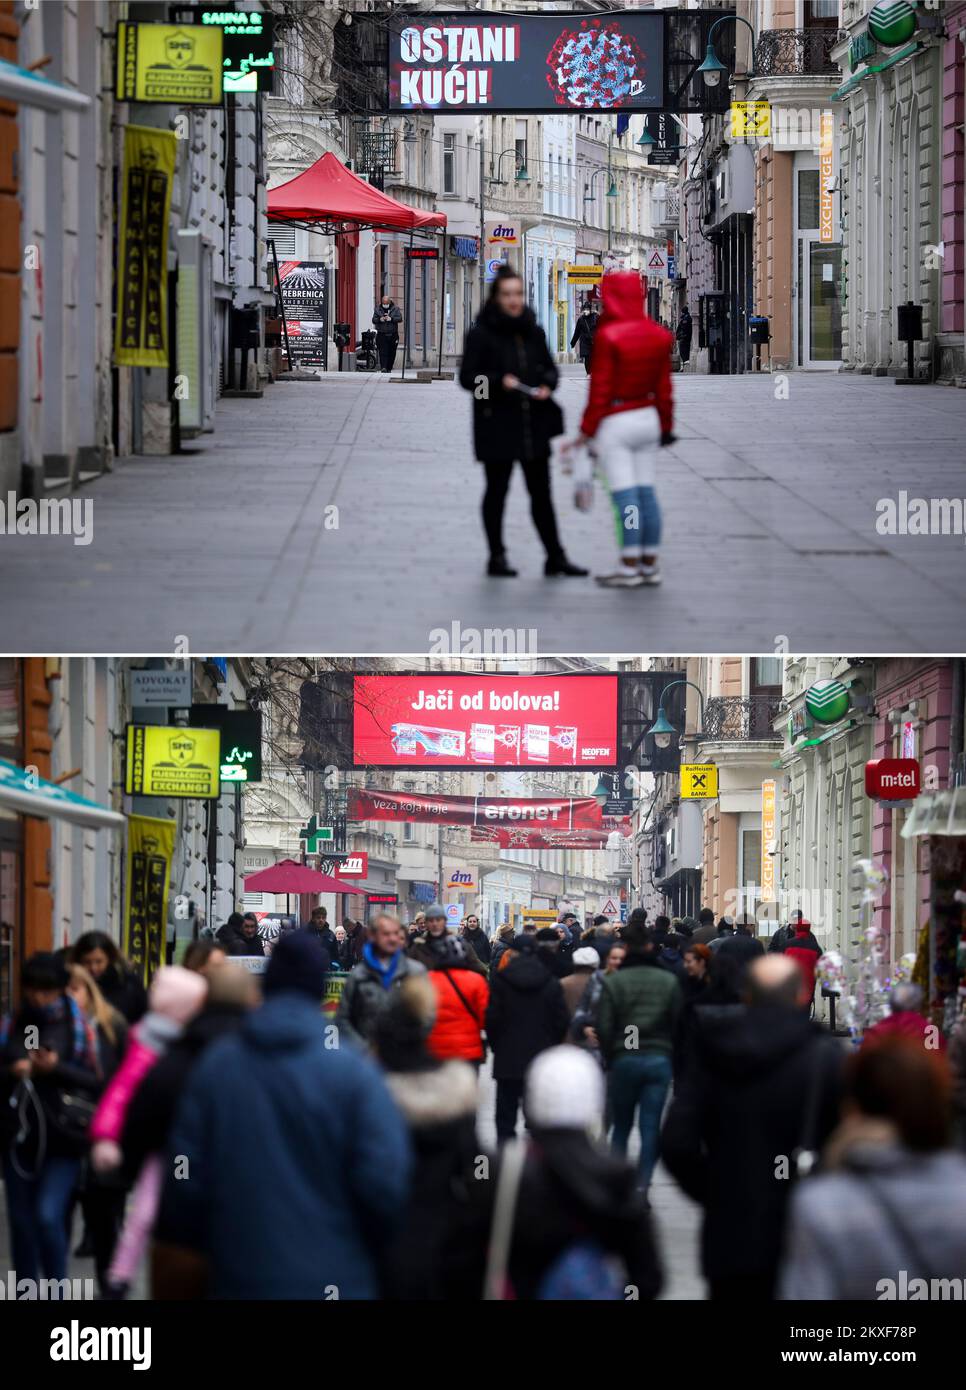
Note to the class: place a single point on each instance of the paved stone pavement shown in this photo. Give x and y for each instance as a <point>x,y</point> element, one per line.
<point>769,505</point>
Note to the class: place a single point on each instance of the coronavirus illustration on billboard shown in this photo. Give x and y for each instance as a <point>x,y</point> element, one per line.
<point>528,63</point>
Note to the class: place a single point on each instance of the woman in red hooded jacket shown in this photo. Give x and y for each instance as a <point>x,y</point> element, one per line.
<point>629,414</point>
<point>462,995</point>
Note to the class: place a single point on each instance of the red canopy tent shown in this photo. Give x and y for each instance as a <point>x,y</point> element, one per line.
<point>327,197</point>
<point>330,198</point>
<point>290,877</point>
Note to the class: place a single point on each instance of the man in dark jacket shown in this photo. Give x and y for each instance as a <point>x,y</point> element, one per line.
<point>527,1013</point>
<point>763,1087</point>
<point>328,940</point>
<point>474,935</point>
<point>318,1126</point>
<point>248,942</point>
<point>230,932</point>
<point>636,1017</point>
<point>684,333</point>
<point>506,350</point>
<point>706,931</point>
<point>432,943</point>
<point>387,318</point>
<point>583,335</point>
<point>374,980</point>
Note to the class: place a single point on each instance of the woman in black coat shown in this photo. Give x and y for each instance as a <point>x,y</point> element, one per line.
<point>505,349</point>
<point>117,982</point>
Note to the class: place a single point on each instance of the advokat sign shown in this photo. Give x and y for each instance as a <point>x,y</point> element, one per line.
<point>535,62</point>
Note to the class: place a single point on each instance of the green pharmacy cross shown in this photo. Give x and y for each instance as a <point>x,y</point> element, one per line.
<point>313,834</point>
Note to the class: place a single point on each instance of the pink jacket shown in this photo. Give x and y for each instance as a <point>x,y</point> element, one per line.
<point>108,1121</point>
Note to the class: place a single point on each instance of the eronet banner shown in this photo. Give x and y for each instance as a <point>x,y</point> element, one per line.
<point>526,838</point>
<point>150,846</point>
<point>485,721</point>
<point>141,332</point>
<point>551,813</point>
<point>532,62</point>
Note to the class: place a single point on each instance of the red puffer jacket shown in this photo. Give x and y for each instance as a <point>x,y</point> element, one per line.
<point>456,1032</point>
<point>805,951</point>
<point>631,362</point>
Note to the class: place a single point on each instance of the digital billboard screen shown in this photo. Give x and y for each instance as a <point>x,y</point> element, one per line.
<point>535,62</point>
<point>457,721</point>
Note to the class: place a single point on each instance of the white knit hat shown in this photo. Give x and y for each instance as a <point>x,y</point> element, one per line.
<point>586,955</point>
<point>564,1089</point>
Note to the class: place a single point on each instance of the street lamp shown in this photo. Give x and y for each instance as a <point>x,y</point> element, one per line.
<point>589,195</point>
<point>522,175</point>
<point>712,68</point>
<point>646,140</point>
<point>662,730</point>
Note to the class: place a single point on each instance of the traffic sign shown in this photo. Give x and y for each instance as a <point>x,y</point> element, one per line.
<point>656,262</point>
<point>699,781</point>
<point>610,908</point>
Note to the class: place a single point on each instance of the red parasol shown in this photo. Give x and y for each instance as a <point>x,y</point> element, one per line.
<point>289,877</point>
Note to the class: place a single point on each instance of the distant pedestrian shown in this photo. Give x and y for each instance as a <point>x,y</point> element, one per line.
<point>583,1025</point>
<point>683,334</point>
<point>906,1019</point>
<point>805,951</point>
<point>725,931</point>
<point>387,318</point>
<point>629,415</point>
<point>366,992</point>
<point>504,937</point>
<point>117,982</point>
<point>248,942</point>
<point>475,936</point>
<point>583,334</point>
<point>527,1013</point>
<point>276,1094</point>
<point>508,368</point>
<point>585,962</point>
<point>433,941</point>
<point>636,1019</point>
<point>231,932</point>
<point>462,997</point>
<point>705,931</point>
<point>886,1219</point>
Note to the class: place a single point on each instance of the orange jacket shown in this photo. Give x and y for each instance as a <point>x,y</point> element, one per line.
<point>456,1032</point>
<point>631,362</point>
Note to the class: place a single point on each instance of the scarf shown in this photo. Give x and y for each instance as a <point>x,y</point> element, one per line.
<point>385,973</point>
<point>84,1041</point>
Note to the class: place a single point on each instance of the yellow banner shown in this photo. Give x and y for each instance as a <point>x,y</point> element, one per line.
<point>166,761</point>
<point>585,274</point>
<point>750,120</point>
<point>179,64</point>
<point>150,848</point>
<point>767,836</point>
<point>141,334</point>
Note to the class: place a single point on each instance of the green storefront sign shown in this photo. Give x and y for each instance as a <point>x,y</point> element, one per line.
<point>861,49</point>
<point>827,701</point>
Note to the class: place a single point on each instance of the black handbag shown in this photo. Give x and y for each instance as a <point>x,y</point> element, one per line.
<point>69,1114</point>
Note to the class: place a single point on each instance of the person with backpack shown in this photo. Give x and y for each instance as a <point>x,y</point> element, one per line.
<point>462,996</point>
<point>567,1222</point>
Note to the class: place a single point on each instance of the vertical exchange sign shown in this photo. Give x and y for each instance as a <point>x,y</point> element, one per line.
<point>150,847</point>
<point>767,837</point>
<point>826,200</point>
<point>141,334</point>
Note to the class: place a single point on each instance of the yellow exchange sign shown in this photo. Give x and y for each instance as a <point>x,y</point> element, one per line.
<point>165,761</point>
<point>181,64</point>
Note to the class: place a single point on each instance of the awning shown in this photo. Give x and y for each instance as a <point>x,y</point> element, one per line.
<point>31,89</point>
<point>32,796</point>
<point>937,813</point>
<point>328,196</point>
<point>872,68</point>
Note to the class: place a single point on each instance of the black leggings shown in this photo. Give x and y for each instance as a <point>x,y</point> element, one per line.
<point>537,475</point>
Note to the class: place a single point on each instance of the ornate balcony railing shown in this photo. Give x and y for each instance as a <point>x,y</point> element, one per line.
<point>729,719</point>
<point>795,53</point>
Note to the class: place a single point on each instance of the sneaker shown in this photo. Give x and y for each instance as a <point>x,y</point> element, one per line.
<point>651,574</point>
<point>624,578</point>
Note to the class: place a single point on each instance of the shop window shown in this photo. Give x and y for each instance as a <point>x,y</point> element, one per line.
<point>808,200</point>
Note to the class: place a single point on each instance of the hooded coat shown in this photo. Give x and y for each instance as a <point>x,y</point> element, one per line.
<point>632,357</point>
<point>741,1105</point>
<point>527,1013</point>
<point>318,1127</point>
<point>508,425</point>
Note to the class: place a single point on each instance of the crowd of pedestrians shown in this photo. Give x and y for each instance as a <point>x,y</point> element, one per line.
<point>821,1165</point>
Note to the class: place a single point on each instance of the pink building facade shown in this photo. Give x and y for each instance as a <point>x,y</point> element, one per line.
<point>913,707</point>
<point>951,345</point>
